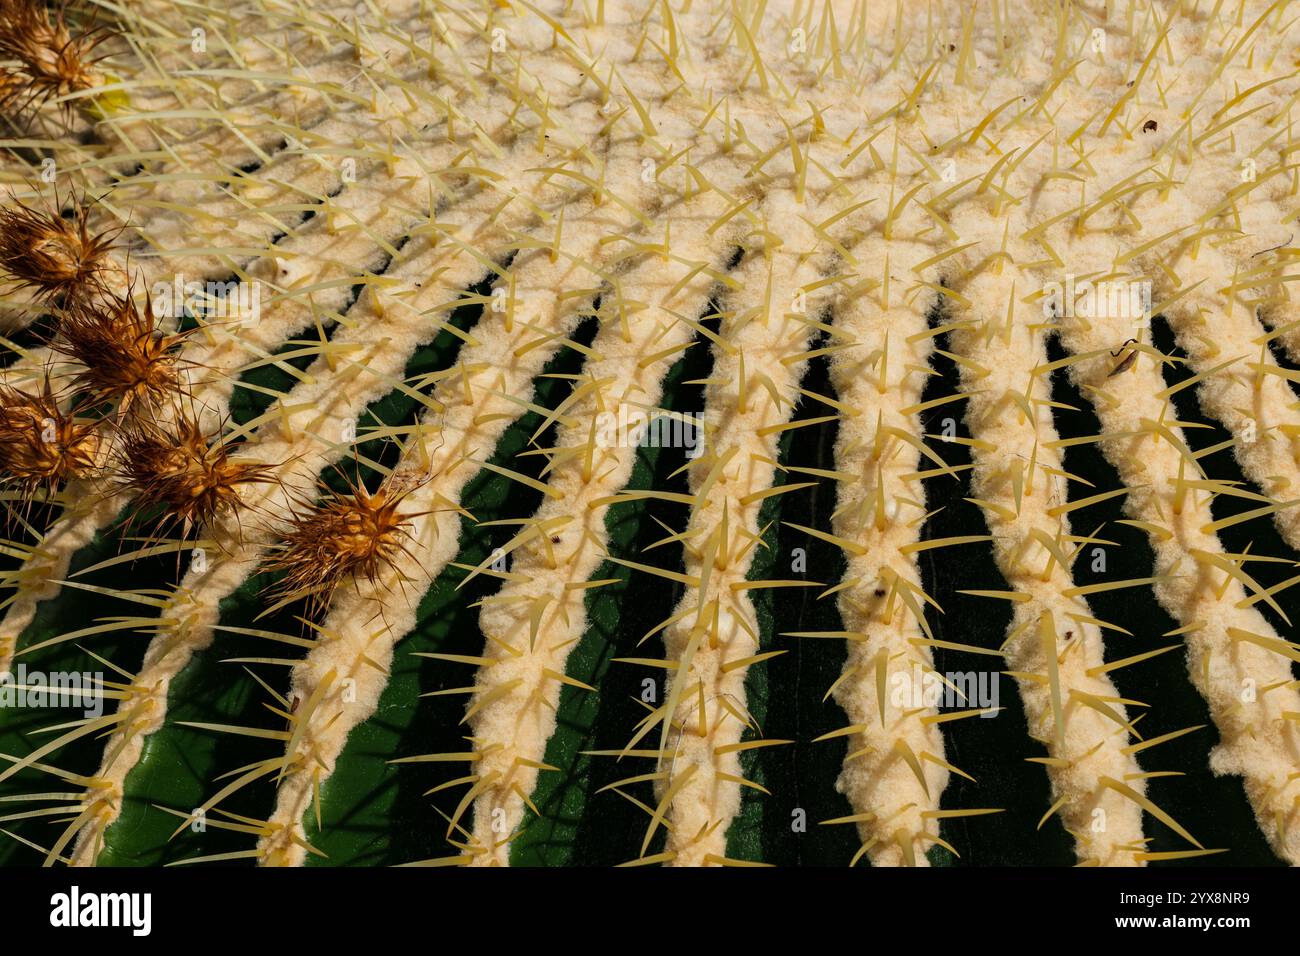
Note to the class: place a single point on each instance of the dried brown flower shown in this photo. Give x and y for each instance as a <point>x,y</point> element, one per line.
<point>41,446</point>
<point>60,258</point>
<point>50,60</point>
<point>126,359</point>
<point>350,535</point>
<point>189,476</point>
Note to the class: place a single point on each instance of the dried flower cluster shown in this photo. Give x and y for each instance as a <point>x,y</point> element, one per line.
<point>124,358</point>
<point>188,476</point>
<point>41,445</point>
<point>50,59</point>
<point>356,535</point>
<point>58,257</point>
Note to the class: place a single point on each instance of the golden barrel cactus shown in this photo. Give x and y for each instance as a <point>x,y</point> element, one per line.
<point>479,432</point>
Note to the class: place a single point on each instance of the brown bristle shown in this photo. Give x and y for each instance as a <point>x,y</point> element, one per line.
<point>50,60</point>
<point>186,474</point>
<point>41,447</point>
<point>125,358</point>
<point>61,259</point>
<point>352,535</point>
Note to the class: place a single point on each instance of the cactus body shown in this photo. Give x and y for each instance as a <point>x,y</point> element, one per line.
<point>476,433</point>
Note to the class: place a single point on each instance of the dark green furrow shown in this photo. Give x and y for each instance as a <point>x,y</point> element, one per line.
<point>209,690</point>
<point>993,750</point>
<point>785,693</point>
<point>373,811</point>
<point>579,826</point>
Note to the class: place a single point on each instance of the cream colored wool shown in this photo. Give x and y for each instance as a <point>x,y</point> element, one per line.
<point>245,215</point>
<point>1019,483</point>
<point>714,632</point>
<point>308,436</point>
<point>1243,389</point>
<point>1024,108</point>
<point>880,509</point>
<point>518,689</point>
<point>1191,596</point>
<point>539,615</point>
<point>288,179</point>
<point>1054,647</point>
<point>346,669</point>
<point>1258,742</point>
<point>1219,619</point>
<point>307,74</point>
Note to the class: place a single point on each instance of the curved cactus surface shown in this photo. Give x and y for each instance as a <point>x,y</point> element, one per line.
<point>537,432</point>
